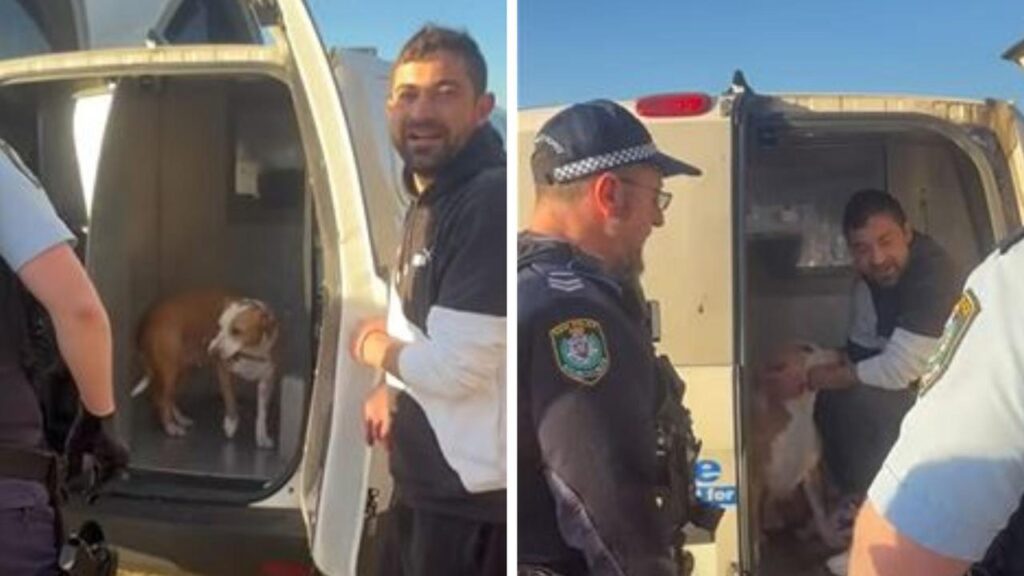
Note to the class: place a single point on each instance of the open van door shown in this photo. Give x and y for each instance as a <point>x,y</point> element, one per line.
<point>191,100</point>
<point>336,461</point>
<point>1011,135</point>
<point>690,271</point>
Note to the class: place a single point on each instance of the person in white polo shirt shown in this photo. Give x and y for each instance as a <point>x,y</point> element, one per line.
<point>948,493</point>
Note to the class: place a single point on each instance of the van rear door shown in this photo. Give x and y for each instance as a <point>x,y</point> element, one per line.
<point>690,272</point>
<point>336,460</point>
<point>1011,135</point>
<point>70,39</point>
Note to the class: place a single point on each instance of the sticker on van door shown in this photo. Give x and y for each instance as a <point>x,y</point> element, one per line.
<point>705,473</point>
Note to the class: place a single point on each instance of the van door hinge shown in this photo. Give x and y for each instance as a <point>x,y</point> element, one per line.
<point>734,570</point>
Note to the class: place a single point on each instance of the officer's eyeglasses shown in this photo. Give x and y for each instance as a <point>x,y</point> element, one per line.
<point>663,199</point>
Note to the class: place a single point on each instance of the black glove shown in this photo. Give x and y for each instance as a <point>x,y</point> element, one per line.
<point>95,437</point>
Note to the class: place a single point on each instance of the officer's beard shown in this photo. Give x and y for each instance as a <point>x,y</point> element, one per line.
<point>629,269</point>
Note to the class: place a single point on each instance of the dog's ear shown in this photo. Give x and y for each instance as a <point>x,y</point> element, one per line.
<point>769,374</point>
<point>268,324</point>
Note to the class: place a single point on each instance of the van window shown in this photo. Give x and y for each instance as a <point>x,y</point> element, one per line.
<point>112,23</point>
<point>22,34</point>
<point>28,27</point>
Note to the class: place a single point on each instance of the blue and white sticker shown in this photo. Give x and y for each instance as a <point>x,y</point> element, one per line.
<point>720,496</point>
<point>705,473</point>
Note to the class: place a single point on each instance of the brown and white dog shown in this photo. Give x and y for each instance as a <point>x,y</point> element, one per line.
<point>238,336</point>
<point>787,443</point>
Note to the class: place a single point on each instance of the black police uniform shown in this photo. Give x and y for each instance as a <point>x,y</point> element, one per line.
<point>28,537</point>
<point>30,473</point>
<point>588,397</point>
<point>28,532</point>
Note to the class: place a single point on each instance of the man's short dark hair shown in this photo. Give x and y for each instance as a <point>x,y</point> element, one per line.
<point>432,39</point>
<point>867,203</point>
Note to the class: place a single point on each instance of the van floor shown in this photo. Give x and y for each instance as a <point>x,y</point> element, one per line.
<point>784,554</point>
<point>204,450</point>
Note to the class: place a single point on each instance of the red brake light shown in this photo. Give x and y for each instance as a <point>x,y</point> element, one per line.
<point>673,105</point>
<point>285,568</point>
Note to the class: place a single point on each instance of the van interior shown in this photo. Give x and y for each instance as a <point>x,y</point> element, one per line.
<point>173,184</point>
<point>796,274</point>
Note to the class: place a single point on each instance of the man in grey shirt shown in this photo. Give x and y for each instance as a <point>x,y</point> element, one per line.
<point>906,286</point>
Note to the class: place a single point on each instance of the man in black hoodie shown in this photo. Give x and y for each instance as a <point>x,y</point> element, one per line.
<point>441,410</point>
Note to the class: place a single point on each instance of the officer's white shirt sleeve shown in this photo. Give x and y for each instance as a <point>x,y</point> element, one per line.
<point>28,223</point>
<point>956,474</point>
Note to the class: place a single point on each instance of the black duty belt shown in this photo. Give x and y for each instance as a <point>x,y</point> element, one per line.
<point>18,463</point>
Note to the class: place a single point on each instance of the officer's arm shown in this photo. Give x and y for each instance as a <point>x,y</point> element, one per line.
<point>953,478</point>
<point>56,278</point>
<point>596,431</point>
<point>879,549</point>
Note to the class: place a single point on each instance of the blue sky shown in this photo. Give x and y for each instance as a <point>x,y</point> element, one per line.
<point>571,50</point>
<point>387,24</point>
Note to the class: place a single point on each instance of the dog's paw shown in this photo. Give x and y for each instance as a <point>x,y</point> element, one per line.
<point>839,564</point>
<point>230,426</point>
<point>174,429</point>
<point>264,441</point>
<point>834,539</point>
<point>181,419</point>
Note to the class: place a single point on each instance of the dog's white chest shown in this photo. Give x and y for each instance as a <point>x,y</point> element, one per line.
<point>796,450</point>
<point>251,369</point>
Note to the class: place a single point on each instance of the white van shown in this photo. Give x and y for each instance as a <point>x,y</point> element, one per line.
<point>204,143</point>
<point>752,251</point>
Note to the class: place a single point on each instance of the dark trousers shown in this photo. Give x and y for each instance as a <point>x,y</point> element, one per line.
<point>1005,556</point>
<point>422,543</point>
<point>28,540</point>
<point>858,427</point>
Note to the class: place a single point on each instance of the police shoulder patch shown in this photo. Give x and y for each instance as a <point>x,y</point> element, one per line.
<point>966,309</point>
<point>580,350</point>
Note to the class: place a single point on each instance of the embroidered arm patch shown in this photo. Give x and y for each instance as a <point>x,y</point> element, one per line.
<point>956,326</point>
<point>580,350</point>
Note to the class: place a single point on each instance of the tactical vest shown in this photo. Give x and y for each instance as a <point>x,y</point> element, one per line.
<point>21,421</point>
<point>38,399</point>
<point>677,447</point>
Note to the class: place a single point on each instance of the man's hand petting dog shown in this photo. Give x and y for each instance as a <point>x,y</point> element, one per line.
<point>832,376</point>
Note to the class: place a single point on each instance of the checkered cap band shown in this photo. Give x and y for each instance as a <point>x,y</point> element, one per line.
<point>602,162</point>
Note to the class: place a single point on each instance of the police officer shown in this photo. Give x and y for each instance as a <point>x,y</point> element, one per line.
<point>588,396</point>
<point>35,251</point>
<point>956,473</point>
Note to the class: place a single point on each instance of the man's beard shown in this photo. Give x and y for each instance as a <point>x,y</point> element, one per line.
<point>887,276</point>
<point>425,159</point>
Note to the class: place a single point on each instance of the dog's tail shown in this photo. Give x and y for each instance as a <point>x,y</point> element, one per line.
<point>140,387</point>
